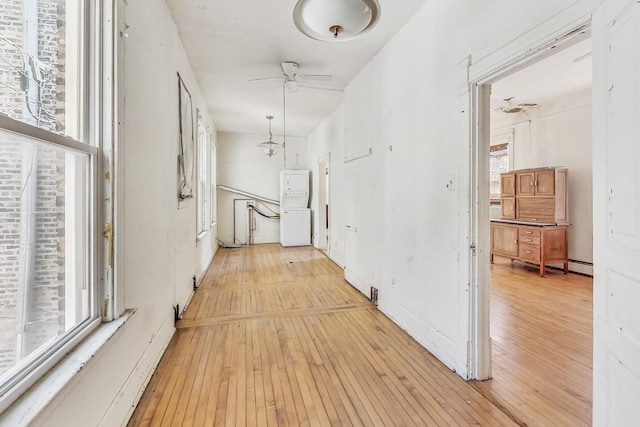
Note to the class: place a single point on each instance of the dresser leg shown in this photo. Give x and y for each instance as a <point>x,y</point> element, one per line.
<point>566,267</point>
<point>542,270</point>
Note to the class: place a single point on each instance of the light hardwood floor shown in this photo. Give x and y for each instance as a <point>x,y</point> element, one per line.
<point>541,331</point>
<point>275,336</point>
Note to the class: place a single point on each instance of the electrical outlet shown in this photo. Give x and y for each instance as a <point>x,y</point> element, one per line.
<point>251,203</point>
<point>393,282</point>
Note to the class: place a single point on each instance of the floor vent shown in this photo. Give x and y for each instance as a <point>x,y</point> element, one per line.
<point>374,295</point>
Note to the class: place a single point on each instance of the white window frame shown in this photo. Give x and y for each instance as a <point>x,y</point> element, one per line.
<point>213,170</point>
<point>503,138</point>
<point>203,158</point>
<point>98,36</point>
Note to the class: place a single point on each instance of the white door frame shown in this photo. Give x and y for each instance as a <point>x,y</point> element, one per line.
<point>324,193</point>
<point>480,80</point>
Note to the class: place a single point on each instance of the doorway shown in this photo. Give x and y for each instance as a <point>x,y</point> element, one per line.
<point>324,197</point>
<point>538,352</point>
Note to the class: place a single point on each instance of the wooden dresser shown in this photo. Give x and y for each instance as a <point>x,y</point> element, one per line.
<point>535,243</point>
<point>534,217</point>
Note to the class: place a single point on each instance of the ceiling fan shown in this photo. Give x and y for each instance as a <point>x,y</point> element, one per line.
<point>509,106</point>
<point>291,75</point>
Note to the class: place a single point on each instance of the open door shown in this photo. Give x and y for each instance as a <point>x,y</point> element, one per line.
<point>616,181</point>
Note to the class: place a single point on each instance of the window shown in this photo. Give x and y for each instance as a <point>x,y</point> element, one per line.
<point>213,162</point>
<point>500,156</point>
<point>203,178</point>
<point>48,288</point>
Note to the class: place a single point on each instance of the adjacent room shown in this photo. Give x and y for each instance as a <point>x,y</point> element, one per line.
<point>541,326</point>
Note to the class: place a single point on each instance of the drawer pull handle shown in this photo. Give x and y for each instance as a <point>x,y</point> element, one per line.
<point>529,240</point>
<point>529,252</point>
<point>533,219</point>
<point>529,232</point>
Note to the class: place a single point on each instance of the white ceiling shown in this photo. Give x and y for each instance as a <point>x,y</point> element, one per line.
<point>547,80</point>
<point>231,41</point>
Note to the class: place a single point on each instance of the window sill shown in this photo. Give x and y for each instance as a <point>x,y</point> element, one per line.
<point>201,236</point>
<point>28,406</point>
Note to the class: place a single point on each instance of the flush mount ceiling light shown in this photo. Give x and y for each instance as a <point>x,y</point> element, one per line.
<point>270,148</point>
<point>335,20</point>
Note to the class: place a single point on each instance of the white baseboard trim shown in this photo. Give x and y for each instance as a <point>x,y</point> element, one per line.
<point>357,282</point>
<point>337,257</point>
<point>433,340</point>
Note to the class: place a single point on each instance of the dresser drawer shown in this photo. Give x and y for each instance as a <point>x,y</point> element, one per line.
<point>529,252</point>
<point>529,235</point>
<point>529,232</point>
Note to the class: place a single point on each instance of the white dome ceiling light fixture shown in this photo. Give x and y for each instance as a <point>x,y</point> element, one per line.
<point>335,20</point>
<point>270,148</point>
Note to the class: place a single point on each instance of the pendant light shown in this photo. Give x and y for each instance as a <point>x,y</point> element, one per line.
<point>270,148</point>
<point>335,20</point>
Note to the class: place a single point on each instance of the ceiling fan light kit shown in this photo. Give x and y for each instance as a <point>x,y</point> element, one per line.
<point>335,20</point>
<point>270,148</point>
<point>290,84</point>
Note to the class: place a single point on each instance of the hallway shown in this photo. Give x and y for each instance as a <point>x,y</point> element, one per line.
<point>275,336</point>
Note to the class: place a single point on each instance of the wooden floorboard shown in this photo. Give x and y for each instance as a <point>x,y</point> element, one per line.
<point>541,331</point>
<point>275,337</point>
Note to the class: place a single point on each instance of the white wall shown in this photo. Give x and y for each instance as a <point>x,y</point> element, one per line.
<point>158,254</point>
<point>242,165</point>
<point>409,105</point>
<point>559,134</point>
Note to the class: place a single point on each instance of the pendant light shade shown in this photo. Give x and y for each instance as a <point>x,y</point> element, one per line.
<point>270,148</point>
<point>335,20</point>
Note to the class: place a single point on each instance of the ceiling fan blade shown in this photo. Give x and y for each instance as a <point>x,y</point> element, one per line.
<point>315,77</point>
<point>266,78</point>
<point>321,88</point>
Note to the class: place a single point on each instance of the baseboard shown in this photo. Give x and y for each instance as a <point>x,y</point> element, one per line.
<point>205,266</point>
<point>357,282</point>
<point>580,267</point>
<point>435,342</point>
<point>438,344</point>
<point>337,257</point>
<point>129,395</point>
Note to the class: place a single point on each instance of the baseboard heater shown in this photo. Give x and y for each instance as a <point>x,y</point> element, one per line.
<point>575,261</point>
